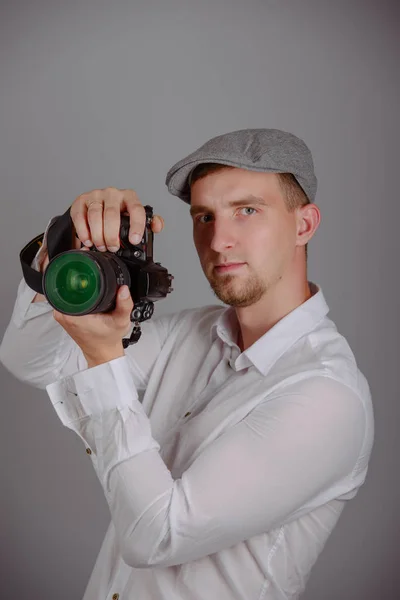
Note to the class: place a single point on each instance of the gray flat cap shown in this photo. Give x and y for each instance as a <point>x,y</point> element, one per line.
<point>263,150</point>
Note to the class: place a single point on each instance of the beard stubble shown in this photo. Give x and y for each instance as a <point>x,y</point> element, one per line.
<point>237,291</point>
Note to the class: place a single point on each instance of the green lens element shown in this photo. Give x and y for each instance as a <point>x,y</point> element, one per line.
<point>73,283</point>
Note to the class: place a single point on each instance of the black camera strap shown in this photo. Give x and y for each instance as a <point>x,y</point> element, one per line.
<point>59,239</point>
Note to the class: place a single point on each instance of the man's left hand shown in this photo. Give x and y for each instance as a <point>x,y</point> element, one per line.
<point>100,335</point>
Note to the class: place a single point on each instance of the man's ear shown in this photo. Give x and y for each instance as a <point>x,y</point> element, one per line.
<point>308,219</point>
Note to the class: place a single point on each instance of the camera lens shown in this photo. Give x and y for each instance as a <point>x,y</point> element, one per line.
<point>79,283</point>
<point>73,283</point>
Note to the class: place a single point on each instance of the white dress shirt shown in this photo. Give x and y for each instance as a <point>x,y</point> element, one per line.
<point>225,471</point>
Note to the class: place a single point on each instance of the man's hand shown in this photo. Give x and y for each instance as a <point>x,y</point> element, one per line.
<point>100,335</point>
<point>97,218</point>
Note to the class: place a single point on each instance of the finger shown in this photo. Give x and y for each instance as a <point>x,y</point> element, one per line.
<point>137,216</point>
<point>112,223</point>
<point>124,293</point>
<point>157,224</point>
<point>80,247</point>
<point>78,213</point>
<point>95,220</point>
<point>76,244</point>
<point>124,304</point>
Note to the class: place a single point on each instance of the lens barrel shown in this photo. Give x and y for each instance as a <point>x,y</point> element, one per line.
<point>82,283</point>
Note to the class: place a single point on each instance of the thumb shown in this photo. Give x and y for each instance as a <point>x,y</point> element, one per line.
<point>124,292</point>
<point>124,303</point>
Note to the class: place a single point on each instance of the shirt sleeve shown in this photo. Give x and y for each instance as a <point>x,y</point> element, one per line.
<point>293,452</point>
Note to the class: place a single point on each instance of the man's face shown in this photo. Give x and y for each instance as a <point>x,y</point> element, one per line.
<point>240,219</point>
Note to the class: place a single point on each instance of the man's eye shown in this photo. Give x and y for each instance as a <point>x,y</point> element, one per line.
<point>249,208</point>
<point>202,218</point>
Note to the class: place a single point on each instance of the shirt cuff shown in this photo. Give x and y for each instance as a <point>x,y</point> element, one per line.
<point>92,392</point>
<point>101,406</point>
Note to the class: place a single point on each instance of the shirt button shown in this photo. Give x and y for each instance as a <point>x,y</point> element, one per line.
<point>115,597</point>
<point>88,451</point>
<point>187,414</point>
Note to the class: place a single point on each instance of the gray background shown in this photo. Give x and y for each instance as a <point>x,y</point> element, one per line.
<point>97,94</point>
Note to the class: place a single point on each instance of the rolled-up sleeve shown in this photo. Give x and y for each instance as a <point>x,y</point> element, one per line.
<point>295,451</point>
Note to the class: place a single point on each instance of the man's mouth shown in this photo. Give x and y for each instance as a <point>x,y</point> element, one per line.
<point>227,267</point>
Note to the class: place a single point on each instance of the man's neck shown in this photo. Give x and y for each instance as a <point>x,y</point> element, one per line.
<point>255,320</point>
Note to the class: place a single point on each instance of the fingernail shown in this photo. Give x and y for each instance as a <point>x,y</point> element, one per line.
<point>101,248</point>
<point>88,243</point>
<point>125,291</point>
<point>136,238</point>
<point>113,248</point>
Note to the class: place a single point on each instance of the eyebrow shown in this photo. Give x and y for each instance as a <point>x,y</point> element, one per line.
<point>257,201</point>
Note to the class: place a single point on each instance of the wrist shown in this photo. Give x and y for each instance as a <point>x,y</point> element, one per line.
<point>100,357</point>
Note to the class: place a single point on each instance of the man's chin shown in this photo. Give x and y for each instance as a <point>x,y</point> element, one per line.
<point>234,293</point>
<point>235,301</point>
<point>231,297</point>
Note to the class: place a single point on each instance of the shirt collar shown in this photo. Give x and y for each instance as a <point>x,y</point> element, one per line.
<point>273,344</point>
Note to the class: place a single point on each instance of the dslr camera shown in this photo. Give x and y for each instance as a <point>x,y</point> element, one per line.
<point>78,282</point>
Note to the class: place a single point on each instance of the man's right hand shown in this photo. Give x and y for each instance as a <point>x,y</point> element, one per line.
<point>96,218</point>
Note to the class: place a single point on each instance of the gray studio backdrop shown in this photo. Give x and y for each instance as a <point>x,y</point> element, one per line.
<point>97,94</point>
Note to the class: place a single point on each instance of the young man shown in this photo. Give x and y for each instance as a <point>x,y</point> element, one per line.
<point>229,439</point>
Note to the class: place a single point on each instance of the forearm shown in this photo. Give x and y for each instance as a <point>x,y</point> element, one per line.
<point>35,348</point>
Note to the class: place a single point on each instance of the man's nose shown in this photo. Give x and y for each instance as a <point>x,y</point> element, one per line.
<point>222,236</point>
